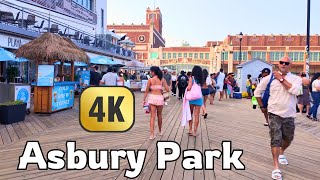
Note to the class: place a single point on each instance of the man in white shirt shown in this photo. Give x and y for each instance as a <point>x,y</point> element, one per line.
<point>220,82</point>
<point>282,110</point>
<point>109,79</point>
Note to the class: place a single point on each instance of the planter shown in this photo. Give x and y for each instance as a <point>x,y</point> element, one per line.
<point>12,114</point>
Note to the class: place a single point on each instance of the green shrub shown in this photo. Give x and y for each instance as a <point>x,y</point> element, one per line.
<point>12,103</point>
<point>12,72</point>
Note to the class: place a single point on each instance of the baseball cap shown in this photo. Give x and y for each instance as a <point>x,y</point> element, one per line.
<point>266,70</point>
<point>165,68</point>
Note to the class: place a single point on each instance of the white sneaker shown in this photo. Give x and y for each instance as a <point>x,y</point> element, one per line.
<point>165,103</point>
<point>283,160</point>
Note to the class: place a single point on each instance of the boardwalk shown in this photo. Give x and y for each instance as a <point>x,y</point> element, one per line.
<point>233,120</point>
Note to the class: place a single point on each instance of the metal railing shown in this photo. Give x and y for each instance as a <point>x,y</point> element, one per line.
<point>37,21</point>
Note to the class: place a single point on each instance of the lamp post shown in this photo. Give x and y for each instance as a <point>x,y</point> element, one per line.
<point>308,39</point>
<point>240,37</point>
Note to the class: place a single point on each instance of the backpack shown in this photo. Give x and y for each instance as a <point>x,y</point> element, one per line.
<point>183,82</point>
<point>266,95</point>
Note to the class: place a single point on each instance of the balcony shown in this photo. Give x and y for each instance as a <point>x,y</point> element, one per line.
<point>16,20</point>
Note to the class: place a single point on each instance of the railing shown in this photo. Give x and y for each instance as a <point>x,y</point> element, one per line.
<point>41,22</point>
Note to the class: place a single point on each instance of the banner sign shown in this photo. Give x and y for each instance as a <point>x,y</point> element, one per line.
<point>22,93</point>
<point>85,78</point>
<point>62,97</point>
<point>45,75</point>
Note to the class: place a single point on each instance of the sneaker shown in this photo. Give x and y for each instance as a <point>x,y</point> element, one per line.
<point>165,103</point>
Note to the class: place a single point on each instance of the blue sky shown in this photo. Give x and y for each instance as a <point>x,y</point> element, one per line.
<point>200,21</point>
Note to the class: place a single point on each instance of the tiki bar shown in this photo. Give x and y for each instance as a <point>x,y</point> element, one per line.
<point>54,89</point>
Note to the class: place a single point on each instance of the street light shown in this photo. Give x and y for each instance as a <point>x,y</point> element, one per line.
<point>240,36</point>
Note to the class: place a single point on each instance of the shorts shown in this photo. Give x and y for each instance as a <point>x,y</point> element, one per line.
<point>205,91</point>
<point>225,86</point>
<point>220,87</point>
<point>280,129</point>
<point>156,100</point>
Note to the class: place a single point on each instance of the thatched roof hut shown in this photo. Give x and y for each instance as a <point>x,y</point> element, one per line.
<point>50,48</point>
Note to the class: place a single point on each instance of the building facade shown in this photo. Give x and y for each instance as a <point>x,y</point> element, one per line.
<point>225,54</point>
<point>145,36</point>
<point>83,21</point>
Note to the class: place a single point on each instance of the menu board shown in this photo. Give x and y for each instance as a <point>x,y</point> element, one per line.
<point>62,97</point>
<point>45,75</point>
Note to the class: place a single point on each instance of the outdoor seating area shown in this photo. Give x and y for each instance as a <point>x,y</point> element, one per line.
<point>32,21</point>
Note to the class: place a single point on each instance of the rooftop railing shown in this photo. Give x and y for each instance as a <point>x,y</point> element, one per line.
<point>40,22</point>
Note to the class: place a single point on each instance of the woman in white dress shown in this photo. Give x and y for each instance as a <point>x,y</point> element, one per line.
<point>174,83</point>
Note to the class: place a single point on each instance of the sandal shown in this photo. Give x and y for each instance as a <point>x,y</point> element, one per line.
<point>195,134</point>
<point>152,137</point>
<point>205,116</point>
<point>160,133</point>
<point>283,160</point>
<point>276,174</point>
<point>266,124</point>
<point>189,133</point>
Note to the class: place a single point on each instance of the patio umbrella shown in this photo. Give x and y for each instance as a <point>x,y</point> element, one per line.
<point>9,56</point>
<point>102,60</point>
<point>134,64</point>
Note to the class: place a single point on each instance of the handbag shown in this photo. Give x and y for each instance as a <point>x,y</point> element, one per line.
<point>195,92</point>
<point>266,95</point>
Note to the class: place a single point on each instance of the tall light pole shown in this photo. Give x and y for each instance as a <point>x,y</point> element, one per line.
<point>240,37</point>
<point>308,39</point>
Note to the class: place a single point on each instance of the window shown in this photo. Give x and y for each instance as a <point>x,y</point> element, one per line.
<point>207,55</point>
<point>236,56</point>
<point>190,55</point>
<point>179,55</point>
<point>314,56</point>
<point>296,56</point>
<point>169,55</point>
<point>174,55</point>
<point>102,18</point>
<point>88,4</point>
<point>259,55</point>
<point>185,55</point>
<point>195,55</point>
<point>201,56</point>
<point>164,56</point>
<point>275,56</point>
<point>224,55</point>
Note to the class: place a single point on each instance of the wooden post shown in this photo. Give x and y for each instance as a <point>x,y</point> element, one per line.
<point>72,70</point>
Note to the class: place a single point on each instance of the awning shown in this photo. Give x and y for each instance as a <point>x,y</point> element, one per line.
<point>134,64</point>
<point>103,60</point>
<point>9,56</point>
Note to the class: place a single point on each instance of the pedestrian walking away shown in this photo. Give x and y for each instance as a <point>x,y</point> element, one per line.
<point>281,104</point>
<point>154,89</point>
<point>315,87</point>
<point>195,105</point>
<point>182,83</point>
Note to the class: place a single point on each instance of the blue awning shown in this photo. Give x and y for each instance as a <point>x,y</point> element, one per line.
<point>9,56</point>
<point>102,60</point>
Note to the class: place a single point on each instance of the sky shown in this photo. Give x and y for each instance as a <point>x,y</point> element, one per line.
<point>199,21</point>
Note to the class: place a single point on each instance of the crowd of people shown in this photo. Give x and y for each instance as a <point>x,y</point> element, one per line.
<point>280,95</point>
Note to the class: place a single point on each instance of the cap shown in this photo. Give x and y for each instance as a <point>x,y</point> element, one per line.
<point>165,68</point>
<point>266,70</point>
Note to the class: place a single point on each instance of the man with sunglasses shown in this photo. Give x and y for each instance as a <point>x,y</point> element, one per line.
<point>282,101</point>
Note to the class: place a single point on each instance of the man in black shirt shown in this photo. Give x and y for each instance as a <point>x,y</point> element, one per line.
<point>182,82</point>
<point>95,77</point>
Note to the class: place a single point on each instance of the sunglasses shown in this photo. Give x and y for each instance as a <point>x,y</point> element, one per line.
<point>285,63</point>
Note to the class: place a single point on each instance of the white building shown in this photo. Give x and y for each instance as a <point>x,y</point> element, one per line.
<point>254,68</point>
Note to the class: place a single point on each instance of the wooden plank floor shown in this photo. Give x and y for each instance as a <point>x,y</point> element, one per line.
<point>233,120</point>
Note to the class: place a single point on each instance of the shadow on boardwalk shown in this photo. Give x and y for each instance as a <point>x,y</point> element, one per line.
<point>232,120</point>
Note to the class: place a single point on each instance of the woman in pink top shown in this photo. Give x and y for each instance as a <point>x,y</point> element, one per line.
<point>155,99</point>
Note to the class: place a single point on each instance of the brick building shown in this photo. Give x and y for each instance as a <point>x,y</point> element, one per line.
<point>145,36</point>
<point>151,49</point>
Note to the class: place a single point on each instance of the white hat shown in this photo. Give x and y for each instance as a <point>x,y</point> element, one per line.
<point>165,68</point>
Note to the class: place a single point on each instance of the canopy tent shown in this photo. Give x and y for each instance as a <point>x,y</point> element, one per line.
<point>103,60</point>
<point>79,64</point>
<point>9,56</point>
<point>134,64</point>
